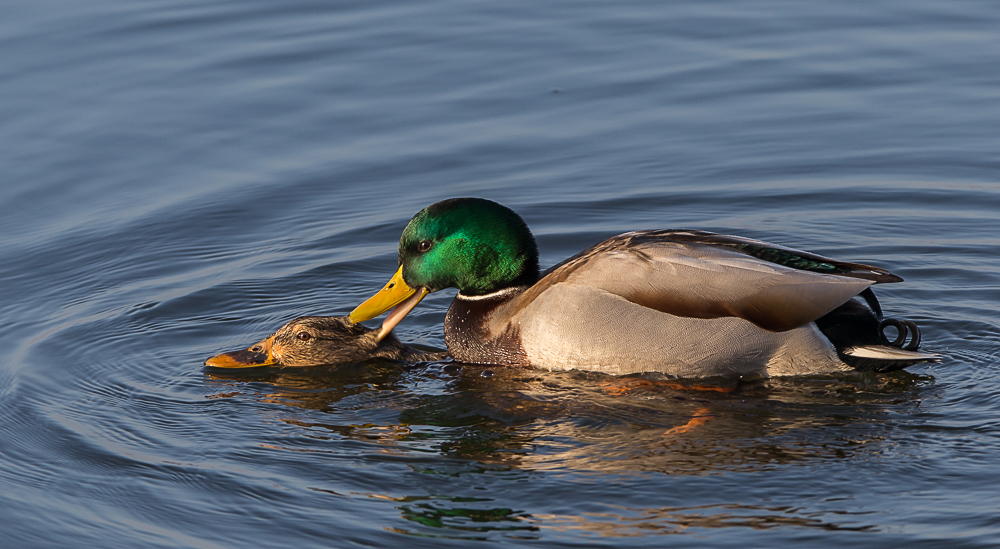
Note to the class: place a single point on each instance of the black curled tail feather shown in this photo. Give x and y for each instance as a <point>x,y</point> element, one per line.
<point>904,328</point>
<point>857,331</point>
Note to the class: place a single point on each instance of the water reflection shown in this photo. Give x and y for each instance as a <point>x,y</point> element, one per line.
<point>463,518</point>
<point>483,421</point>
<point>540,420</point>
<point>463,515</point>
<point>628,522</point>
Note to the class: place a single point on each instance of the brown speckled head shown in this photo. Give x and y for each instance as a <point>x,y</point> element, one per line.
<point>319,340</point>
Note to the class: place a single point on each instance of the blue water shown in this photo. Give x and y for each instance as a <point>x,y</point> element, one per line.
<point>180,178</point>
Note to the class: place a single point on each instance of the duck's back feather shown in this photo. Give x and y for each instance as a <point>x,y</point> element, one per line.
<point>696,274</point>
<point>765,251</point>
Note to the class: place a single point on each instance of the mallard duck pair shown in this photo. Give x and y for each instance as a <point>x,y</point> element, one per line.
<point>684,303</point>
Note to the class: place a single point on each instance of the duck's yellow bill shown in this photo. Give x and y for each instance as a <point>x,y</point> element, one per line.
<point>392,294</point>
<point>258,354</point>
<point>395,292</point>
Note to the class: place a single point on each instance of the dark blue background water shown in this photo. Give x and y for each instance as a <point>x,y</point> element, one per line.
<point>181,177</point>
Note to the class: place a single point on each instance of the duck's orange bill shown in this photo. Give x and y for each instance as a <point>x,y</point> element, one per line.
<point>258,354</point>
<point>395,292</point>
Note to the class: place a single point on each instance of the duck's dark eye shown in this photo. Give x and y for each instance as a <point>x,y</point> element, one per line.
<point>424,246</point>
<point>256,348</point>
<point>304,336</point>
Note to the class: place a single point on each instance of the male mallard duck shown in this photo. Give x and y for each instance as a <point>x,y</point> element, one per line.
<point>320,340</point>
<point>685,303</point>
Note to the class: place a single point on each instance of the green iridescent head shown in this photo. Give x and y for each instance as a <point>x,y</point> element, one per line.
<point>472,244</point>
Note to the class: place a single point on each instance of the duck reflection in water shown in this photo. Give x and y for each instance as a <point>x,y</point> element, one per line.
<point>528,419</point>
<point>509,423</point>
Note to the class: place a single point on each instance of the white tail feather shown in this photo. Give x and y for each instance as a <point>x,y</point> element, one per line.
<point>883,352</point>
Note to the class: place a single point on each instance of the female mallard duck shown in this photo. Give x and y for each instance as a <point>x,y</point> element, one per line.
<point>320,340</point>
<point>685,303</point>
